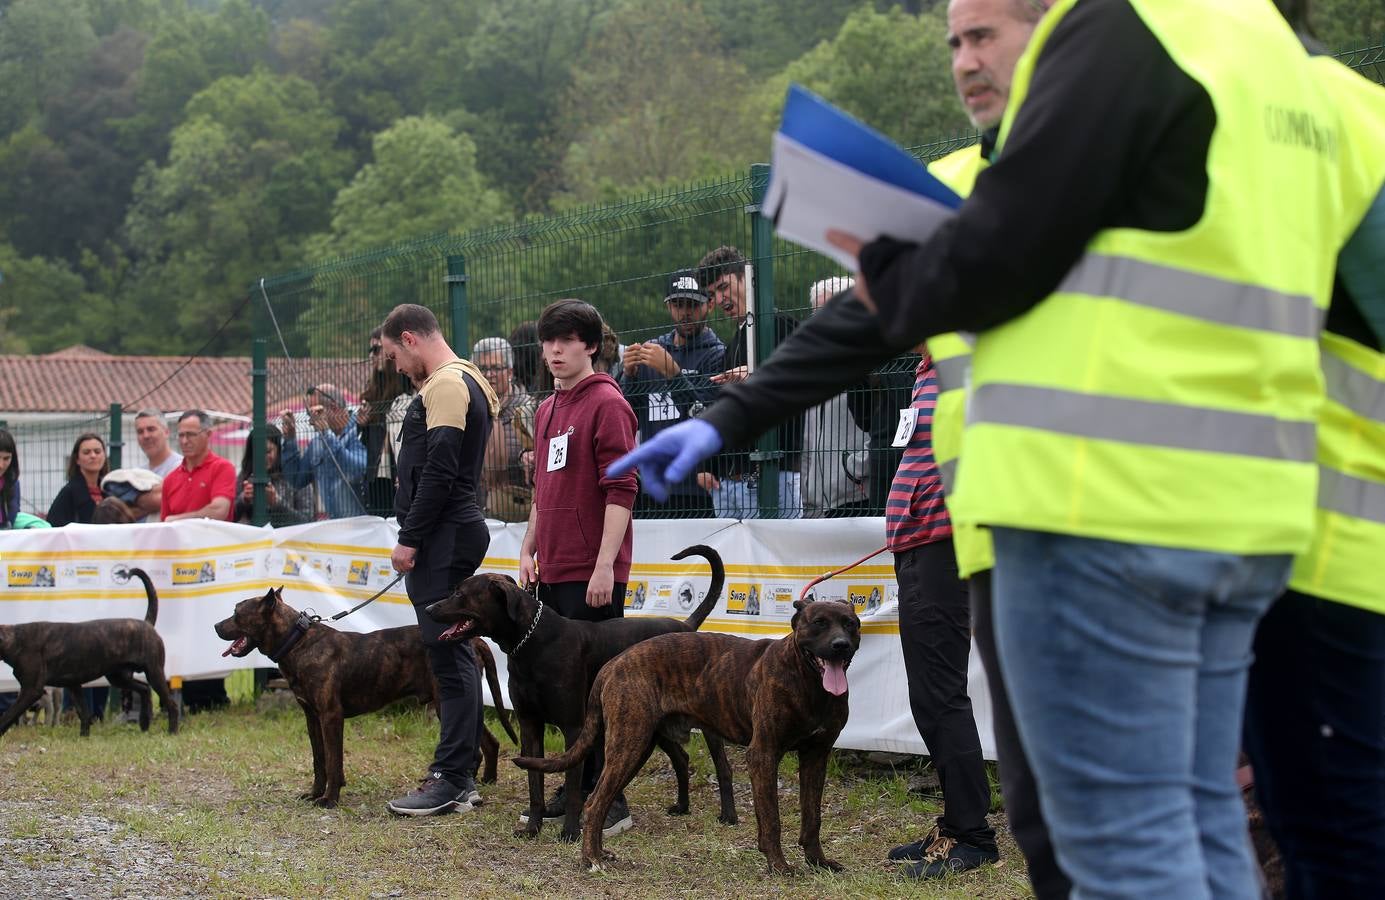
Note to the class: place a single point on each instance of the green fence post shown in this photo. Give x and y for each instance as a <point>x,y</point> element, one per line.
<point>456,297</point>
<point>767,452</point>
<point>113,452</point>
<point>259,374</point>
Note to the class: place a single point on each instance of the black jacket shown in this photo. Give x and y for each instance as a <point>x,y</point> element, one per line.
<point>73,504</point>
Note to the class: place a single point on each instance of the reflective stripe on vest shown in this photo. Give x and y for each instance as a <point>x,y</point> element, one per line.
<point>1353,388</point>
<point>952,372</point>
<point>1192,294</point>
<point>1350,496</point>
<point>1142,422</point>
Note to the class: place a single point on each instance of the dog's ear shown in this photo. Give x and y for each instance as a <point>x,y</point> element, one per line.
<point>506,577</point>
<point>271,596</point>
<point>516,598</point>
<point>798,607</point>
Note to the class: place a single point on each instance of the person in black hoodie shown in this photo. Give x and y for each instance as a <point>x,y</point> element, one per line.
<point>86,466</point>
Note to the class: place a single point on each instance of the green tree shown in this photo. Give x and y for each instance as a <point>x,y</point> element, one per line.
<point>43,44</point>
<point>423,180</point>
<point>1350,24</point>
<point>891,70</point>
<point>44,305</point>
<point>251,171</point>
<point>654,105</point>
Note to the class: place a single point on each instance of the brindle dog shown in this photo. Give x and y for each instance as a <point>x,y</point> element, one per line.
<point>552,663</point>
<point>69,654</point>
<point>770,695</point>
<point>336,675</point>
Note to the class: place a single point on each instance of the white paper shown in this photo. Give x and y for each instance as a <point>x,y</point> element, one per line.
<point>809,193</point>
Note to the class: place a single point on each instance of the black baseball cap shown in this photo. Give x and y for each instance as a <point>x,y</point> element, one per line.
<point>683,285</point>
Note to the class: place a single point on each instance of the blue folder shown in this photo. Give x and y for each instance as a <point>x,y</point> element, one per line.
<point>821,127</point>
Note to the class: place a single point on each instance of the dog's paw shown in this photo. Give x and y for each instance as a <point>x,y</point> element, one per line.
<point>524,831</point>
<point>309,795</point>
<point>830,865</point>
<point>569,837</point>
<point>487,778</point>
<point>732,819</point>
<point>781,868</point>
<point>326,802</point>
<point>678,809</point>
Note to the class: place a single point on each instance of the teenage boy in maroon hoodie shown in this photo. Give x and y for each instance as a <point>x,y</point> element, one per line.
<point>579,524</point>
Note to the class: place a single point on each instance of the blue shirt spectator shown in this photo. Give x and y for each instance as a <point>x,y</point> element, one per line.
<point>334,460</point>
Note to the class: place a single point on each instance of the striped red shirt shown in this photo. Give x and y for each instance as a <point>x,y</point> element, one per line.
<point>915,513</point>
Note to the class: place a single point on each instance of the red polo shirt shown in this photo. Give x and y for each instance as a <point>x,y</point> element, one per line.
<point>188,491</point>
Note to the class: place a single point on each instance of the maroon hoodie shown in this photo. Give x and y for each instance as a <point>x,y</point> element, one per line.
<point>571,501</point>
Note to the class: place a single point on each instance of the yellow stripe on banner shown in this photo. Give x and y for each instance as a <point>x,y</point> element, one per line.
<point>680,569</point>
<point>251,587</point>
<point>137,553</point>
<point>350,549</point>
<point>741,626</point>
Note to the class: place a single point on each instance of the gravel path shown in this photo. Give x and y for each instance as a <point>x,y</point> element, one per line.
<point>45,852</point>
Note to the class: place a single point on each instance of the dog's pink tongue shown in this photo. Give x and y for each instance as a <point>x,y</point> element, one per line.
<point>833,678</point>
<point>237,645</point>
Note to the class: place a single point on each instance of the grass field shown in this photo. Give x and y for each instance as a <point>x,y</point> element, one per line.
<point>212,811</point>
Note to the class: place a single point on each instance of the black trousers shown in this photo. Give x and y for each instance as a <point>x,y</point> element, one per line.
<point>1017,782</point>
<point>935,634</point>
<point>1315,733</point>
<point>569,600</point>
<point>451,554</point>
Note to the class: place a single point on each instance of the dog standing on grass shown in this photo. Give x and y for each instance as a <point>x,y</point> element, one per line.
<point>552,662</point>
<point>336,675</point>
<point>69,654</point>
<point>772,696</point>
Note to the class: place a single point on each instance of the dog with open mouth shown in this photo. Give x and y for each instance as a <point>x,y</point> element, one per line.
<point>772,696</point>
<point>336,675</point>
<point>552,662</point>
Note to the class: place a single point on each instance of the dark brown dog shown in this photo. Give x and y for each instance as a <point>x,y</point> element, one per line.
<point>772,696</point>
<point>336,675</point>
<point>552,663</point>
<point>69,654</point>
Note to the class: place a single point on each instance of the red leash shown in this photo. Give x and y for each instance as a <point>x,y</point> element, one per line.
<point>835,572</point>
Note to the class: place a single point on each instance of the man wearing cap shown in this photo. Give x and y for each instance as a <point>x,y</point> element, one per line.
<point>668,379</point>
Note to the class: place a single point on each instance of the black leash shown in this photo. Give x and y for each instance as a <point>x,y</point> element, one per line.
<point>378,594</point>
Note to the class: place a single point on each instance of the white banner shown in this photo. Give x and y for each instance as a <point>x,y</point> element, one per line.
<point>202,569</point>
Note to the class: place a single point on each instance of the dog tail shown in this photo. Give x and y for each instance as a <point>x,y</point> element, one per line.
<point>151,613</point>
<point>592,727</point>
<point>709,602</point>
<point>483,653</point>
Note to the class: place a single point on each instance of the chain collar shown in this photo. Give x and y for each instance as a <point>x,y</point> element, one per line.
<point>530,633</point>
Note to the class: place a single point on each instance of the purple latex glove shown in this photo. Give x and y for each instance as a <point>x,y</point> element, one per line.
<point>670,456</point>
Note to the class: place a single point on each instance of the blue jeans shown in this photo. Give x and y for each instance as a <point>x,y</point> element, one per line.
<point>737,499</point>
<point>1126,666</point>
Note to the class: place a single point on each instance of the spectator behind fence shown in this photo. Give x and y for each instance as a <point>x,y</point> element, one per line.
<point>204,485</point>
<point>151,430</point>
<point>85,467</point>
<point>286,504</point>
<point>524,343</point>
<point>507,490</point>
<point>668,380</point>
<point>372,420</point>
<point>836,463</point>
<point>735,493</point>
<point>9,480</point>
<point>335,459</point>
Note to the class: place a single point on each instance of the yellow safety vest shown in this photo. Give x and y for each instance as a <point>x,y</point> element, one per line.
<point>951,362</point>
<point>1167,392</point>
<point>1346,560</point>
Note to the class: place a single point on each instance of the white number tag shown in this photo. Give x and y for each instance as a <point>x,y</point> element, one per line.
<point>662,408</point>
<point>557,451</point>
<point>908,418</point>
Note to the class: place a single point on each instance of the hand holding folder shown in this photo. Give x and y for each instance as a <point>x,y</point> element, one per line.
<point>830,171</point>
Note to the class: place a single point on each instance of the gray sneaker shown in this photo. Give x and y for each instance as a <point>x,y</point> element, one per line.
<point>555,808</point>
<point>434,796</point>
<point>618,818</point>
<point>469,793</point>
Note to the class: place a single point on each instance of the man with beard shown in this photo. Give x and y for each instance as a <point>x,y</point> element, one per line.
<point>668,379</point>
<point>442,535</point>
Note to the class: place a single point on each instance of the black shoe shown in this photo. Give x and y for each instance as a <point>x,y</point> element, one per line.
<point>948,857</point>
<point>916,851</point>
<point>434,796</point>
<point>555,808</point>
<point>618,818</point>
